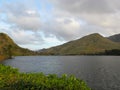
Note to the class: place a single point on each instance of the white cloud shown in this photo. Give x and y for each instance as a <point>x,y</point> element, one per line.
<point>25,22</point>
<point>22,16</point>
<point>100,16</point>
<point>63,28</point>
<point>22,37</point>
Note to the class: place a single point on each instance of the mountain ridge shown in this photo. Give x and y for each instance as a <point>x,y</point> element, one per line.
<point>114,38</point>
<point>9,48</point>
<point>90,44</point>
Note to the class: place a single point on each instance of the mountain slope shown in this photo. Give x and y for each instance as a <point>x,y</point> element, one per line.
<point>7,46</point>
<point>115,38</point>
<point>91,44</point>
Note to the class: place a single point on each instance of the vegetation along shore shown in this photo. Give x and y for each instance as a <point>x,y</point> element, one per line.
<point>12,79</point>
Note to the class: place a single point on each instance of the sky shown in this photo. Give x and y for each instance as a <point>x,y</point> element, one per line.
<point>37,24</point>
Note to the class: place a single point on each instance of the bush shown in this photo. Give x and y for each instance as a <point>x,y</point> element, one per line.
<point>11,79</point>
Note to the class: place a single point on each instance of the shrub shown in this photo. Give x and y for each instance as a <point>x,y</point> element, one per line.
<point>11,79</point>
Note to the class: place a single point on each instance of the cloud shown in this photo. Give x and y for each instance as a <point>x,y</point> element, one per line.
<point>62,28</point>
<point>22,16</point>
<point>99,15</point>
<point>22,37</point>
<point>88,6</point>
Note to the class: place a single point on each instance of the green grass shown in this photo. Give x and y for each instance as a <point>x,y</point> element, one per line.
<point>12,79</point>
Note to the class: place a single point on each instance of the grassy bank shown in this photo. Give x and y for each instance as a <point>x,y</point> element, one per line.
<point>11,79</point>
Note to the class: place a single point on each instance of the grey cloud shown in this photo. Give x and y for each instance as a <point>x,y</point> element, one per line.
<point>62,28</point>
<point>22,37</point>
<point>99,15</point>
<point>93,6</point>
<point>71,28</point>
<point>87,6</point>
<point>22,16</point>
<point>94,23</point>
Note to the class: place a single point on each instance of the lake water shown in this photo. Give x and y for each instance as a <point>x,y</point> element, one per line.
<point>99,72</point>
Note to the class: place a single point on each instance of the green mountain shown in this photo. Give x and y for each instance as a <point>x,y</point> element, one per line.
<point>9,48</point>
<point>90,44</point>
<point>115,38</point>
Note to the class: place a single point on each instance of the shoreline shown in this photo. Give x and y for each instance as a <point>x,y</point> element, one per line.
<point>3,58</point>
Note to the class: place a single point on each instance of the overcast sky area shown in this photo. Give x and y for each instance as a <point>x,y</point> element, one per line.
<point>37,24</point>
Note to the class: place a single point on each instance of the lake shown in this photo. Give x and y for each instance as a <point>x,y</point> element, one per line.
<point>99,72</point>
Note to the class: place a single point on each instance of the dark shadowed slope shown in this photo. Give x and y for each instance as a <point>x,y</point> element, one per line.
<point>115,38</point>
